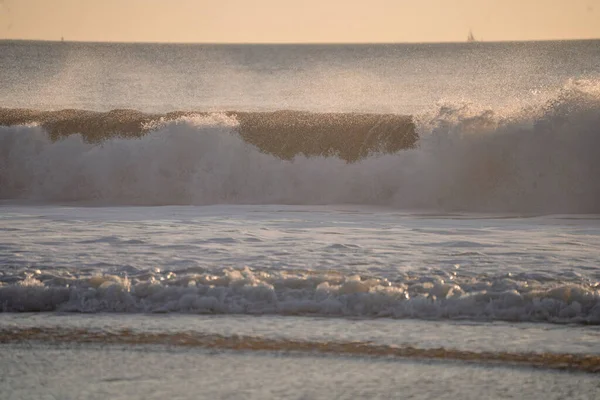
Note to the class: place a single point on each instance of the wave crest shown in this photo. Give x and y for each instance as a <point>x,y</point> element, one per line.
<point>539,159</point>
<point>284,134</point>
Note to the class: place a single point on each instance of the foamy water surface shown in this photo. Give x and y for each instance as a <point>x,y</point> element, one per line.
<point>338,261</point>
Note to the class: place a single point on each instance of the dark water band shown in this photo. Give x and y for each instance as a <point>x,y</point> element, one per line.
<point>554,361</point>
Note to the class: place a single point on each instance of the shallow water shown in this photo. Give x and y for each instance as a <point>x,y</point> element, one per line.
<point>462,335</point>
<point>92,371</point>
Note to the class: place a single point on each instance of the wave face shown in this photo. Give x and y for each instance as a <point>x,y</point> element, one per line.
<point>541,159</point>
<point>284,134</point>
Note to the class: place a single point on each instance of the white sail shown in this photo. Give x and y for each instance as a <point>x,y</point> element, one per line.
<point>471,37</point>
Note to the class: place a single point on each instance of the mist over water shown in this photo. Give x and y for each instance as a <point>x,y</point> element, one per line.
<point>402,78</point>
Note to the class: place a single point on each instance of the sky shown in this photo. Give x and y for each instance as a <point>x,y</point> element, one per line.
<point>298,21</point>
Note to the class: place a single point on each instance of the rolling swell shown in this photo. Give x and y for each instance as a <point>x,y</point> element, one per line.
<point>284,134</point>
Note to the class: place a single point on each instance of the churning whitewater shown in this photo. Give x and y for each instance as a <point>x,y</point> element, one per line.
<point>537,159</point>
<point>337,261</point>
<point>521,298</point>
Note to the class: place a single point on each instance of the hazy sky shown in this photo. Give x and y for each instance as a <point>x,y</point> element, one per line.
<point>298,20</point>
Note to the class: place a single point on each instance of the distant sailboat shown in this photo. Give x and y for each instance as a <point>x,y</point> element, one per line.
<point>471,37</point>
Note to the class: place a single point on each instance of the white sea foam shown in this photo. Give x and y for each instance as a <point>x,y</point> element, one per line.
<point>248,291</point>
<point>542,159</point>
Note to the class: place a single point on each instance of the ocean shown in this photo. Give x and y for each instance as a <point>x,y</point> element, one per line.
<point>300,221</point>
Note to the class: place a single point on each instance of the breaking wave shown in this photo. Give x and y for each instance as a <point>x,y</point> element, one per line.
<point>542,159</point>
<point>284,134</point>
<point>521,298</point>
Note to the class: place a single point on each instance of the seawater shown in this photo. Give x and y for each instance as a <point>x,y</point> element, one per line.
<point>262,198</point>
